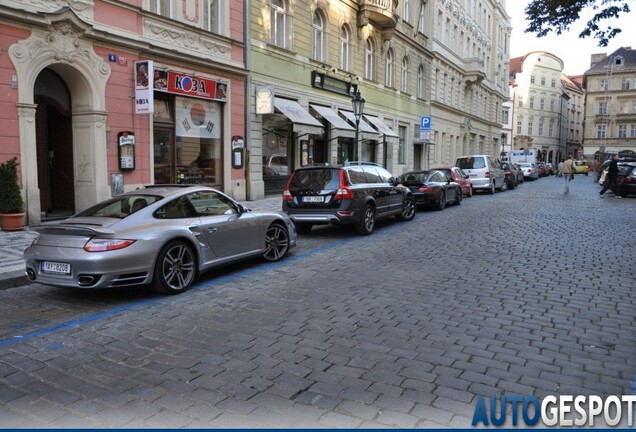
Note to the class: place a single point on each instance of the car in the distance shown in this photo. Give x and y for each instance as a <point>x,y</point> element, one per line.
<point>432,188</point>
<point>529,171</point>
<point>626,179</point>
<point>355,194</point>
<point>511,173</point>
<point>484,171</point>
<point>458,176</point>
<point>163,236</point>
<point>581,167</point>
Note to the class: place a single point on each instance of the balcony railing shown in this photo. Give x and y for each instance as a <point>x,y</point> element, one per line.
<point>382,13</point>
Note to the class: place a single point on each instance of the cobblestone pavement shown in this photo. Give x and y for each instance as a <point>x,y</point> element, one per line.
<point>526,292</point>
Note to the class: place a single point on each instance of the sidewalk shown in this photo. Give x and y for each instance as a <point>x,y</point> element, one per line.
<point>13,244</point>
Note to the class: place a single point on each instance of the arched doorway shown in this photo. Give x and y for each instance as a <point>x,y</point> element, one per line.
<point>54,142</point>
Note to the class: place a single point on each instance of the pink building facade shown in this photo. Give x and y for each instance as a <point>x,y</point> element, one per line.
<point>100,97</point>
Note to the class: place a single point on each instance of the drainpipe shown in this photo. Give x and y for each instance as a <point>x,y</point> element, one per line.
<point>248,86</point>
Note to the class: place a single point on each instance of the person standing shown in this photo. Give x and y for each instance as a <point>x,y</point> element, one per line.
<point>567,170</point>
<point>611,178</point>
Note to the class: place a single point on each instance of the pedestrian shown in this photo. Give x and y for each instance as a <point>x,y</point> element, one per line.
<point>567,170</point>
<point>597,165</point>
<point>560,170</point>
<point>611,178</point>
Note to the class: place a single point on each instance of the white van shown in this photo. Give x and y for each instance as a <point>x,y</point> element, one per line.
<point>484,172</point>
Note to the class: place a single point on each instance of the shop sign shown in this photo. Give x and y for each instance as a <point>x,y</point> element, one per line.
<point>265,99</point>
<point>189,85</point>
<point>144,102</point>
<point>333,85</point>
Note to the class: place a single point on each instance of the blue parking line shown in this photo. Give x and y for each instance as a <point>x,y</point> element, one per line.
<point>94,317</point>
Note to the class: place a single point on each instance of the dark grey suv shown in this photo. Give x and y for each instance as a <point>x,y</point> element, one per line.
<point>353,194</point>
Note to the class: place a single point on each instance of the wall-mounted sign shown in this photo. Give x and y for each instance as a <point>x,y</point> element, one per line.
<point>265,99</point>
<point>144,102</point>
<point>170,81</point>
<point>333,85</point>
<point>126,150</point>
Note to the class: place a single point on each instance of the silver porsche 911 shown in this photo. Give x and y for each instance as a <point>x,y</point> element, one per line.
<point>160,235</point>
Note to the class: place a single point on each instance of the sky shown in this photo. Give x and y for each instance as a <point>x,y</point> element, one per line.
<point>574,52</point>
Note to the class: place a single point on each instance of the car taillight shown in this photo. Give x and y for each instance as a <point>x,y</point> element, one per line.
<point>628,179</point>
<point>343,191</point>
<point>425,189</point>
<point>103,245</point>
<point>487,175</point>
<point>287,196</point>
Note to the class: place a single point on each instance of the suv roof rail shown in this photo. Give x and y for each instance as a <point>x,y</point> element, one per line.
<point>317,164</point>
<point>350,163</point>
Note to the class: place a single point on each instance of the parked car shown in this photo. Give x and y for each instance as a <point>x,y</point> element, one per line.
<point>511,174</point>
<point>163,235</point>
<point>519,171</point>
<point>605,164</point>
<point>457,175</point>
<point>550,168</point>
<point>529,171</point>
<point>432,188</point>
<point>581,167</point>
<point>626,179</point>
<point>353,194</point>
<point>484,171</point>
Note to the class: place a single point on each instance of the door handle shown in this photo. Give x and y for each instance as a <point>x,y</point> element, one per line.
<point>212,230</point>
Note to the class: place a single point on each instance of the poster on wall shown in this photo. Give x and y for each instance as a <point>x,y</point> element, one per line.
<point>144,101</point>
<point>197,118</point>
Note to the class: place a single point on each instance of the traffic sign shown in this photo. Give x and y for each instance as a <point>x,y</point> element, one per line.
<point>425,123</point>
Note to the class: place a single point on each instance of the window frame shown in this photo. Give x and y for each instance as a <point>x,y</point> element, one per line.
<point>319,35</point>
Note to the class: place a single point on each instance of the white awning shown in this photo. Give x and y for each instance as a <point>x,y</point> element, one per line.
<point>303,121</point>
<point>381,126</point>
<point>332,117</point>
<point>364,126</point>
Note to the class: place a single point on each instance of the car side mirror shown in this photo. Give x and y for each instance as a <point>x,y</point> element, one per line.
<point>394,181</point>
<point>242,209</point>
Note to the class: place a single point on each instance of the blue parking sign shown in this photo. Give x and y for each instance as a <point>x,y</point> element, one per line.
<point>425,123</point>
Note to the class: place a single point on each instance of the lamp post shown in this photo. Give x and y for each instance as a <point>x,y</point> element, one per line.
<point>358,108</point>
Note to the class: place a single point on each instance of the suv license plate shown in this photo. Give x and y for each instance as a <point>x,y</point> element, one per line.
<point>313,199</point>
<point>56,267</point>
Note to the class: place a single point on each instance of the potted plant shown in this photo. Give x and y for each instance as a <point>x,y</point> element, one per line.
<point>11,204</point>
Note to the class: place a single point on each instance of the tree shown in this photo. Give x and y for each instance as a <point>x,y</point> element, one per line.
<point>545,16</point>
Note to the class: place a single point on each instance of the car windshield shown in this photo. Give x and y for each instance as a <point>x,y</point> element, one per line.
<point>119,206</point>
<point>415,177</point>
<point>471,162</point>
<point>525,165</point>
<point>315,180</point>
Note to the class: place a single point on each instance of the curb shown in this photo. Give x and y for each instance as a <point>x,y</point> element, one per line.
<point>13,279</point>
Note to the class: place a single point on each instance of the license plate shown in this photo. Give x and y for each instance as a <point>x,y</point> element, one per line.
<point>56,267</point>
<point>313,199</point>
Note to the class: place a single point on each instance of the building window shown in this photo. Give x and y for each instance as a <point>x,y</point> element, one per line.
<point>519,126</point>
<point>622,131</point>
<point>602,108</point>
<point>542,104</point>
<point>369,59</point>
<point>520,104</point>
<point>532,79</point>
<point>161,7</point>
<point>401,144</point>
<point>530,128</point>
<point>551,129</point>
<point>345,48</point>
<point>542,80</point>
<point>388,73</point>
<point>505,116</point>
<point>634,106</point>
<point>625,84</point>
<point>603,84</point>
<point>407,10</point>
<point>632,131</point>
<point>601,131</point>
<point>553,83</point>
<point>421,20</point>
<point>278,22</point>
<point>552,103</point>
<point>318,30</point>
<point>531,102</point>
<point>405,74</point>
<point>541,128</point>
<point>211,15</point>
<point>420,82</point>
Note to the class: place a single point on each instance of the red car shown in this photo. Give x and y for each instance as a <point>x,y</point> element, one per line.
<point>458,176</point>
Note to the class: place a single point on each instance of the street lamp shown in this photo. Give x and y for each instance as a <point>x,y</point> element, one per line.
<point>358,108</point>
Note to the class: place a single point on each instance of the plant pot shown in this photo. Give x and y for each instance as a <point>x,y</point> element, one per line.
<point>12,221</point>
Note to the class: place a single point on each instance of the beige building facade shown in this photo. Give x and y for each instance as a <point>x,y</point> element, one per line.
<point>610,108</point>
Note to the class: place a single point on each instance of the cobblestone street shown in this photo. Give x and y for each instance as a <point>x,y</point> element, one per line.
<point>528,292</point>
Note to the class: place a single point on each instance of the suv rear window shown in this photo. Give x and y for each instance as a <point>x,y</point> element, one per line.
<point>315,180</point>
<point>471,162</point>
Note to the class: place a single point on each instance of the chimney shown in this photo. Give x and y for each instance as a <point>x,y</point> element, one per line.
<point>596,58</point>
